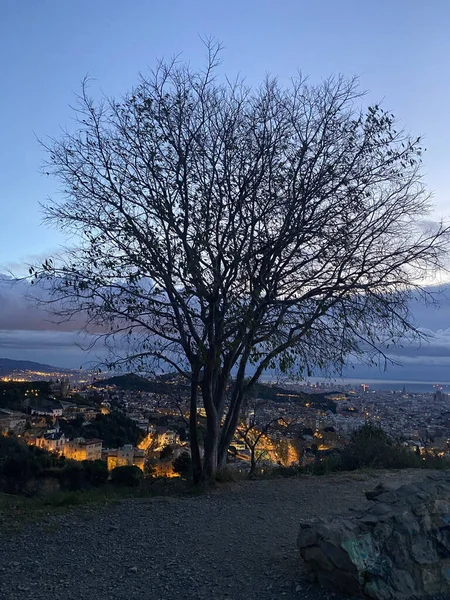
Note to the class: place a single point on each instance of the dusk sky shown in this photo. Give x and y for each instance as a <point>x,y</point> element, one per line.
<point>399,49</point>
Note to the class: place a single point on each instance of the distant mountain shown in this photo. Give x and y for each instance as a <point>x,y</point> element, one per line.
<point>168,384</point>
<point>8,367</point>
<point>134,382</point>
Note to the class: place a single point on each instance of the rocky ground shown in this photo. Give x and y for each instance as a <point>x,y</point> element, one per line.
<point>236,543</point>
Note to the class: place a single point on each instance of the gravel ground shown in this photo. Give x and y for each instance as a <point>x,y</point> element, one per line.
<point>236,543</point>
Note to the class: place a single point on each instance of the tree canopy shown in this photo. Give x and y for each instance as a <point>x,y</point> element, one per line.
<point>225,230</point>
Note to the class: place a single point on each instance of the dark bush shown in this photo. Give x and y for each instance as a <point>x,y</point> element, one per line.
<point>72,477</point>
<point>95,472</point>
<point>149,468</point>
<point>129,475</point>
<point>20,463</point>
<point>115,429</point>
<point>371,447</point>
<point>183,465</point>
<point>227,474</point>
<point>22,467</point>
<point>289,471</point>
<point>431,461</point>
<point>166,452</point>
<point>330,464</point>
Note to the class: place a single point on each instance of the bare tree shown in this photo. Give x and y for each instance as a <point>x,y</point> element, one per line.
<point>260,425</point>
<point>218,227</point>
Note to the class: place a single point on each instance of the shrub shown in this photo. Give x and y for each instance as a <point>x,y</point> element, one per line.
<point>149,468</point>
<point>71,477</point>
<point>431,461</point>
<point>95,472</point>
<point>330,464</point>
<point>183,465</point>
<point>20,464</point>
<point>227,474</point>
<point>115,429</point>
<point>129,475</point>
<point>166,452</point>
<point>44,486</point>
<point>74,476</point>
<point>25,469</point>
<point>371,447</point>
<point>281,471</point>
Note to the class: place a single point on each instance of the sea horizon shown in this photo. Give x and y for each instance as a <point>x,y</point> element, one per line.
<point>411,386</point>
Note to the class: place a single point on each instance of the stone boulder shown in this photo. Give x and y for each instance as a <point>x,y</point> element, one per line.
<point>398,548</point>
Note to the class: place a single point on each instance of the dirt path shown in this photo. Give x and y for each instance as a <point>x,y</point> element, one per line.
<point>237,543</point>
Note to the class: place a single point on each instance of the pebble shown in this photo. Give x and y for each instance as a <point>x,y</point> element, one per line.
<point>205,547</point>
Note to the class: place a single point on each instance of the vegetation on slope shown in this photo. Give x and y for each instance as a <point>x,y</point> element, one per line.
<point>18,395</point>
<point>115,429</point>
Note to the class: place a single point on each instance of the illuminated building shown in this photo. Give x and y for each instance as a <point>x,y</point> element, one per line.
<point>52,442</point>
<point>82,449</point>
<point>125,456</point>
<point>50,409</point>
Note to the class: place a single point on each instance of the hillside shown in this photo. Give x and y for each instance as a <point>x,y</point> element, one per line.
<point>134,382</point>
<point>168,384</point>
<point>277,393</point>
<point>9,366</point>
<point>14,393</point>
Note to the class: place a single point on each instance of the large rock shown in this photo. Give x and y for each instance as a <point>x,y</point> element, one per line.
<point>398,548</point>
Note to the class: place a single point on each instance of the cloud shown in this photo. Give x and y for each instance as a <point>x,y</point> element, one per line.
<point>38,340</point>
<point>20,313</point>
<point>19,267</point>
<point>28,331</point>
<point>58,348</point>
<point>428,360</point>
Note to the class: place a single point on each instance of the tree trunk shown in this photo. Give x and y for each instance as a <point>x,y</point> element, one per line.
<point>210,462</point>
<point>232,418</point>
<point>193,432</point>
<point>252,461</point>
<point>229,429</point>
<point>212,428</point>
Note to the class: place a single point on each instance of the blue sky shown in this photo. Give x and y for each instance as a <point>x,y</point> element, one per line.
<point>399,48</point>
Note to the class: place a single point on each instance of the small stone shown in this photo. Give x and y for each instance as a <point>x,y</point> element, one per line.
<point>132,570</point>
